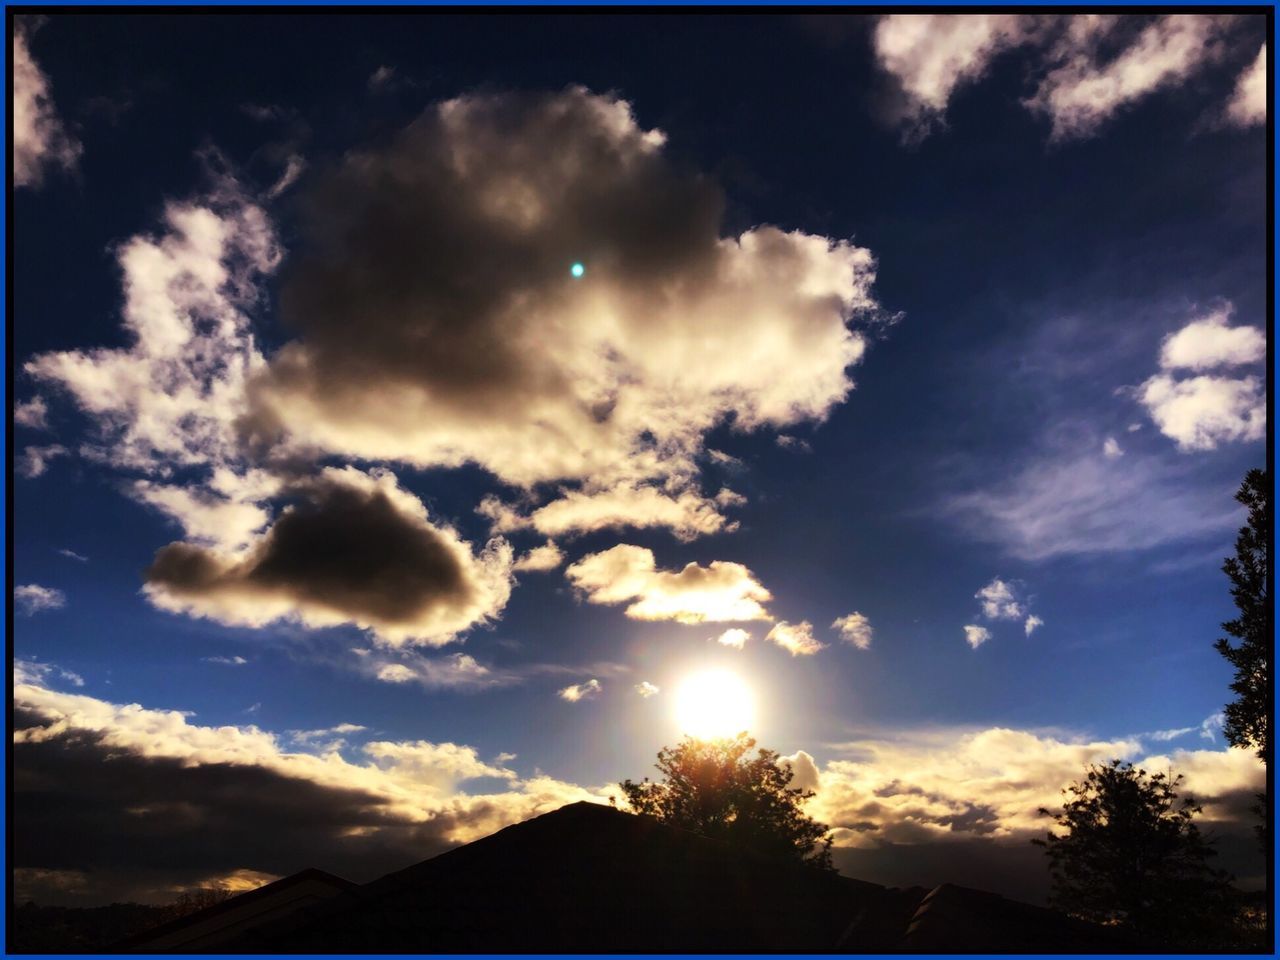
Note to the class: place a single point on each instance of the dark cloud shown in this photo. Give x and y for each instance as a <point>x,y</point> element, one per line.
<point>437,321</point>
<point>353,548</point>
<point>140,827</point>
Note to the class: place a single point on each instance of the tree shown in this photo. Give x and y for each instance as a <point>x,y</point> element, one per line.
<point>713,788</point>
<point>1131,855</point>
<point>1247,718</point>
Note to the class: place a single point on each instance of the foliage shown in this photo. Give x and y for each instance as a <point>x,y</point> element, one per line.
<point>714,788</point>
<point>1247,718</point>
<point>1131,855</point>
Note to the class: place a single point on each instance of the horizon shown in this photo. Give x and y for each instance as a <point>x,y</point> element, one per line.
<point>418,421</point>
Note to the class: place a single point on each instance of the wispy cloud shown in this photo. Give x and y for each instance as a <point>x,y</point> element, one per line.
<point>32,598</point>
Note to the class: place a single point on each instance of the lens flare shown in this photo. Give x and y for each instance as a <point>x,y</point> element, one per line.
<point>714,703</point>
<point>577,270</point>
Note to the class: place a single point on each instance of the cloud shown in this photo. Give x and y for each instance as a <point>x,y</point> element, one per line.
<point>1079,502</point>
<point>946,786</point>
<point>580,691</point>
<point>33,671</point>
<point>976,636</point>
<point>293,169</point>
<point>72,555</point>
<point>457,671</point>
<point>804,771</point>
<point>720,591</point>
<point>795,638</point>
<point>540,559</point>
<point>144,801</point>
<point>1248,104</point>
<point>327,739</point>
<point>856,629</point>
<point>1087,68</point>
<point>734,637</point>
<point>206,516</point>
<point>1198,413</point>
<point>1031,624</point>
<point>1111,448</point>
<point>35,460</point>
<point>646,689</point>
<point>1208,343</point>
<point>687,514</point>
<point>39,138</point>
<point>1214,722</point>
<point>355,548</point>
<point>382,77</point>
<point>449,248</point>
<point>788,442</point>
<point>1082,91</point>
<point>236,661</point>
<point>31,598</point>
<point>999,601</point>
<point>33,413</point>
<point>932,54</point>
<point>172,397</point>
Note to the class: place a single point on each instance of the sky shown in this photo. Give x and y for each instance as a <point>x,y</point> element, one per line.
<point>408,409</point>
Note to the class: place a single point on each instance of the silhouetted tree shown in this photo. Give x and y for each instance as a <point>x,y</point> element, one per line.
<point>1131,855</point>
<point>714,788</point>
<point>1247,718</point>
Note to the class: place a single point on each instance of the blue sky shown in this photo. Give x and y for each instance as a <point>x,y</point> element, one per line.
<point>877,315</point>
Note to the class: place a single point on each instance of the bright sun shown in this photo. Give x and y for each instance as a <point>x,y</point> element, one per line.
<point>714,703</point>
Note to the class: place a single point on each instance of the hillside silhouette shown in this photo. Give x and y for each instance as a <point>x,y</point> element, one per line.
<point>589,878</point>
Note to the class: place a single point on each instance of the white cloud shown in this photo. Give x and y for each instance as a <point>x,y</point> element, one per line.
<point>720,591</point>
<point>804,771</point>
<point>540,559</point>
<point>33,413</point>
<point>172,397</point>
<point>1111,448</point>
<point>35,460</point>
<point>1087,68</point>
<point>206,516</point>
<point>1209,342</point>
<point>734,637</point>
<point>856,629</point>
<point>293,169</point>
<point>1031,624</point>
<point>1212,723</point>
<point>646,689</point>
<point>236,661</point>
<point>946,785</point>
<point>999,601</point>
<point>457,671</point>
<point>688,514</point>
<point>1198,413</point>
<point>796,638</point>
<point>580,691</point>
<point>39,138</point>
<point>1248,104</point>
<point>382,77</point>
<point>72,555</point>
<point>932,54</point>
<point>1164,736</point>
<point>1082,92</point>
<point>356,549</point>
<point>607,385</point>
<point>34,671</point>
<point>31,598</point>
<point>976,636</point>
<point>326,740</point>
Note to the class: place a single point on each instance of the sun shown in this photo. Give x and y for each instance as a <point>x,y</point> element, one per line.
<point>714,703</point>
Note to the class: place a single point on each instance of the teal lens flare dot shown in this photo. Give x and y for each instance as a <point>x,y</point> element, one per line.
<point>577,270</point>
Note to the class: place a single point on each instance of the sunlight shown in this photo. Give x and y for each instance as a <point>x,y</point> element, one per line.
<point>714,703</point>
